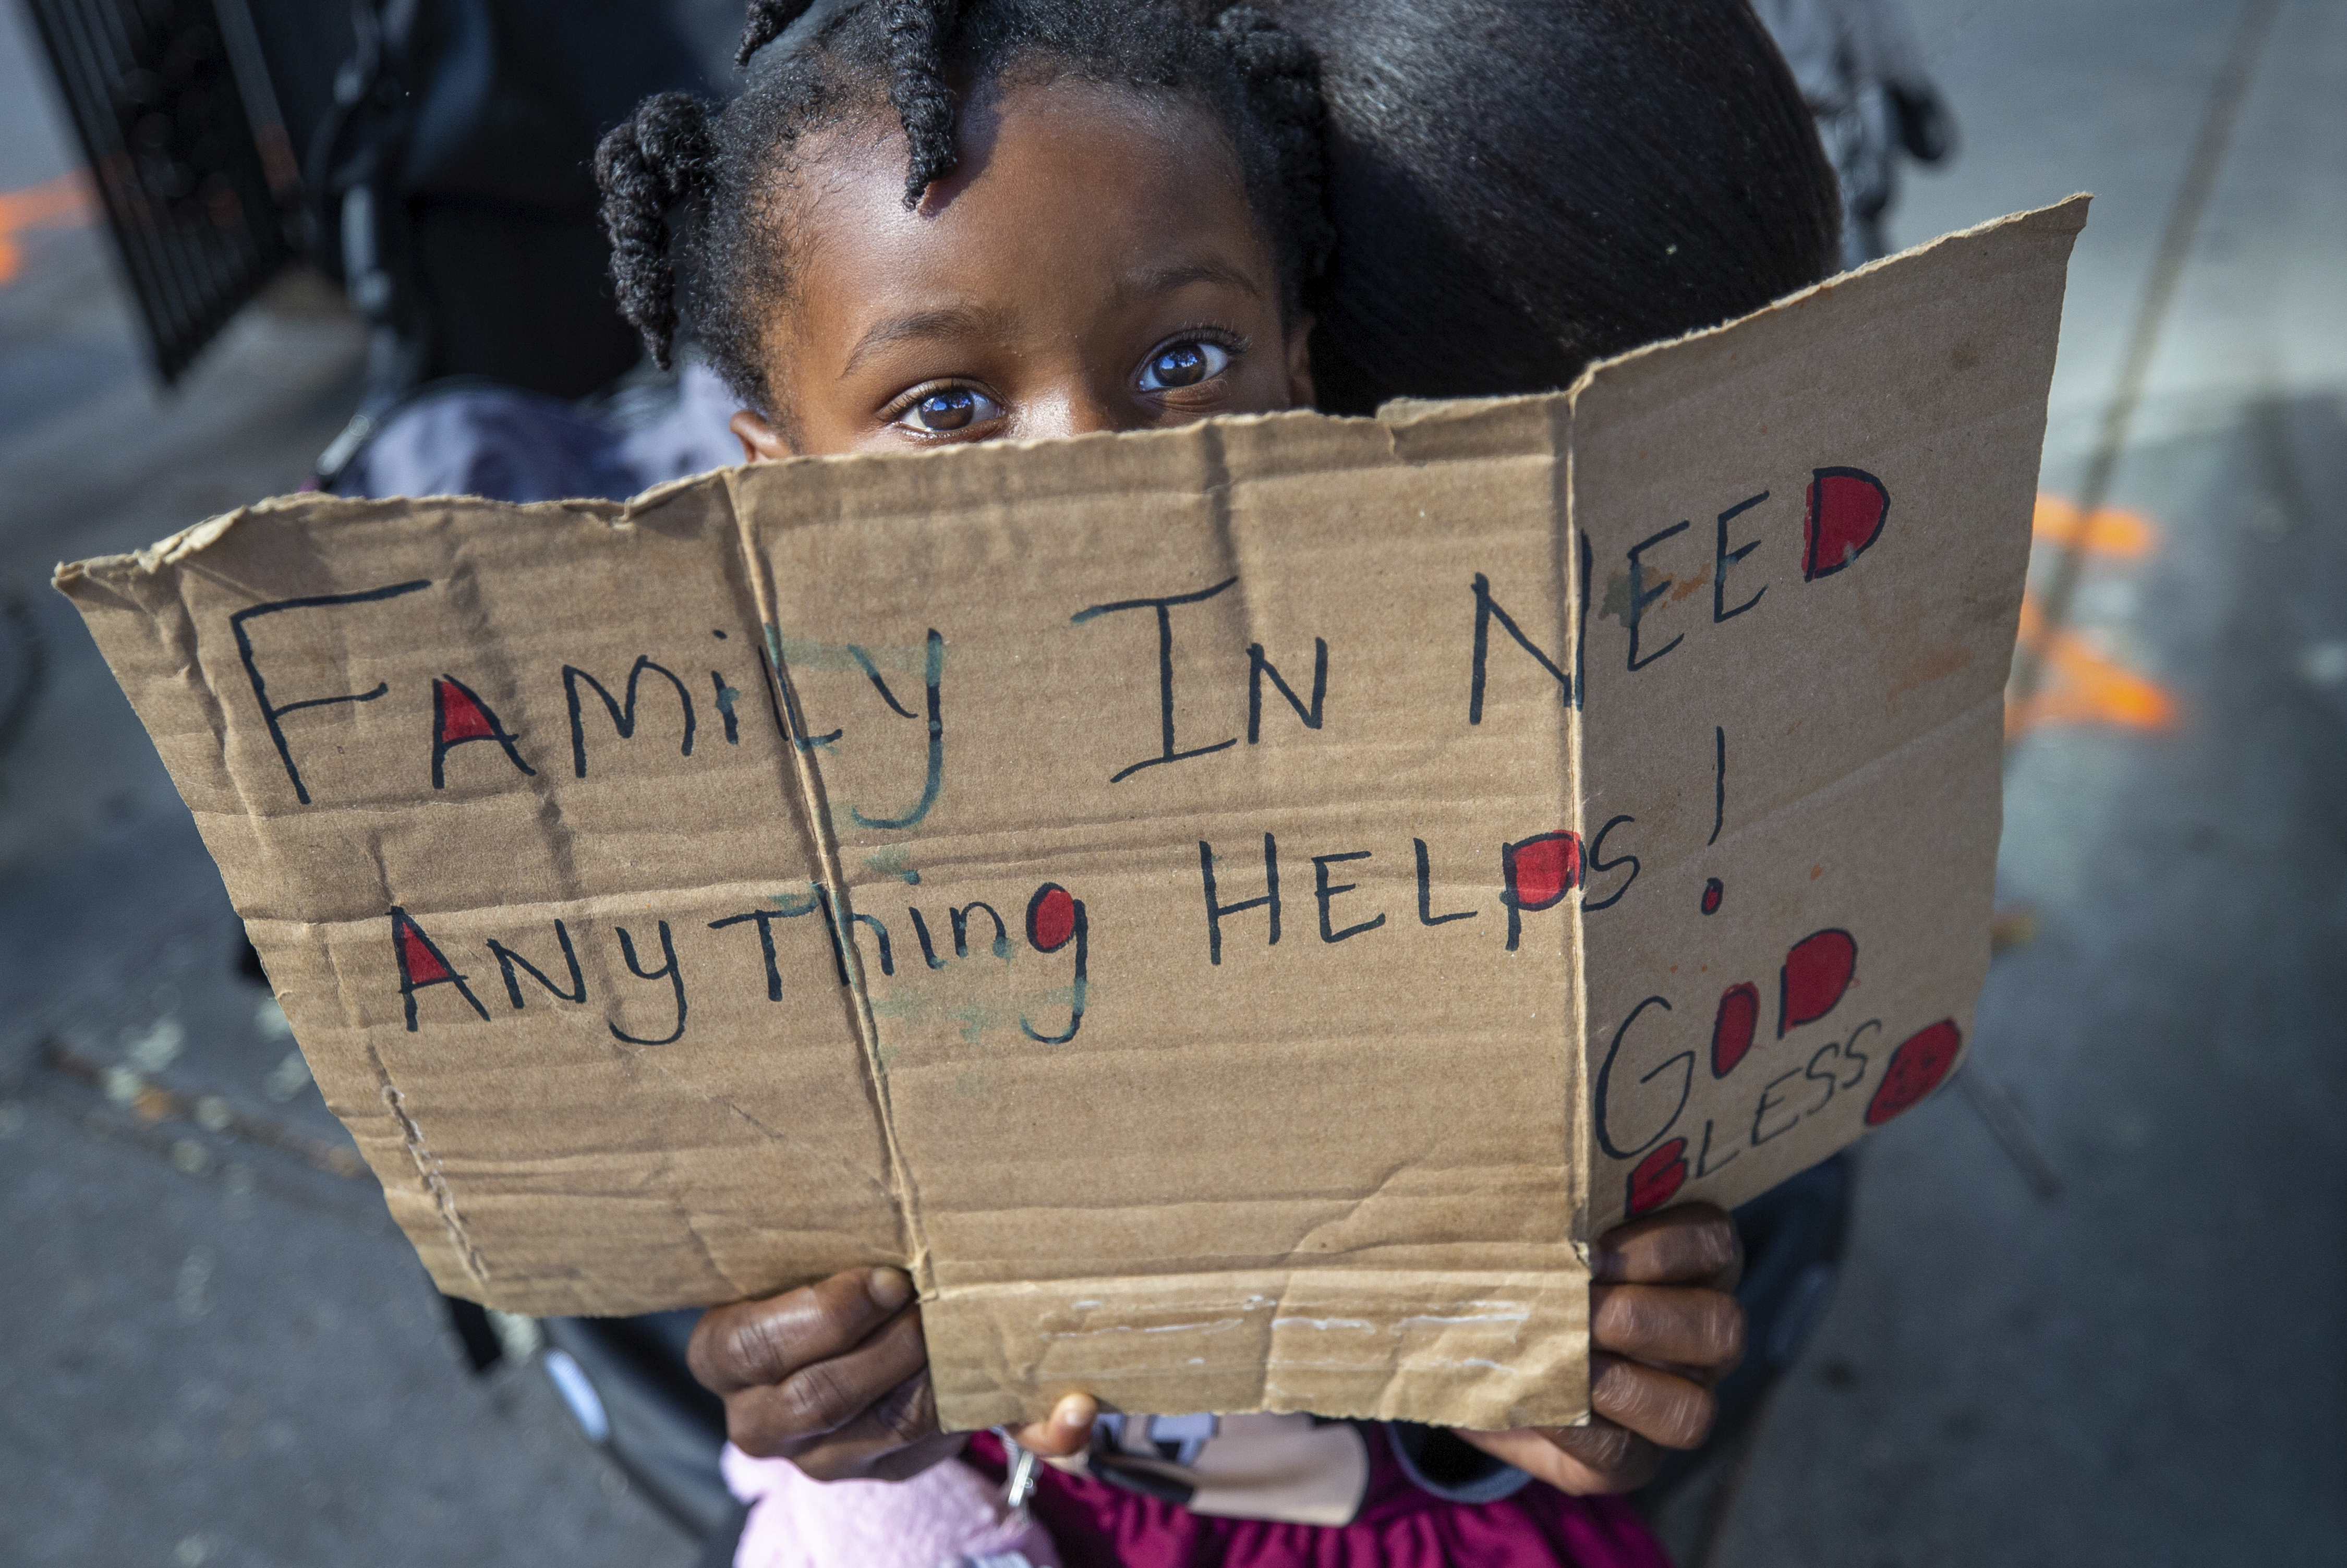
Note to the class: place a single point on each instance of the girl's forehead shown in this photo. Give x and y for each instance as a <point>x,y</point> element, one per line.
<point>1064,175</point>
<point>1131,137</point>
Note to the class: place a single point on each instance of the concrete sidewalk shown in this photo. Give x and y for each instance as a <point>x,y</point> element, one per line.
<point>2091,1314</point>
<point>217,1351</point>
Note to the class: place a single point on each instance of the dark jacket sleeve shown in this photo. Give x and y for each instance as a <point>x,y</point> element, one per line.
<point>1441,1462</point>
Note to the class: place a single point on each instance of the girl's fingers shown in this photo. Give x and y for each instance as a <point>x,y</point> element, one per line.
<point>1678,1326</point>
<point>903,1463</point>
<point>1661,1407</point>
<point>864,1452</point>
<point>1695,1243</point>
<point>1624,1458</point>
<point>758,1343</point>
<point>1585,1461</point>
<point>874,1382</point>
<point>1068,1429</point>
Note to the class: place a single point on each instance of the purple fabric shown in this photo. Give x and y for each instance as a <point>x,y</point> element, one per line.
<point>1096,1525</point>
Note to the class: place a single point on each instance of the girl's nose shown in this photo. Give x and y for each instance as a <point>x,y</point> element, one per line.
<point>1077,411</point>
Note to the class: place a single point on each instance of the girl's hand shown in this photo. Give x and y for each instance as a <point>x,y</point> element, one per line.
<point>835,1378</point>
<point>1663,1329</point>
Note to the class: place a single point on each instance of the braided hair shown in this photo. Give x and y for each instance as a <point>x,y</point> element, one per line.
<point>692,192</point>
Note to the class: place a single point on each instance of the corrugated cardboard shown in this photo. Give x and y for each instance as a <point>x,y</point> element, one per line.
<point>1233,910</point>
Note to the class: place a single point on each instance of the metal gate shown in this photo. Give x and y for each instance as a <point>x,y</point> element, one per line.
<point>173,108</point>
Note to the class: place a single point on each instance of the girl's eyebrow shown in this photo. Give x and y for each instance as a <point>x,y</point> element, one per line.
<point>1182,274</point>
<point>950,321</point>
<point>976,321</point>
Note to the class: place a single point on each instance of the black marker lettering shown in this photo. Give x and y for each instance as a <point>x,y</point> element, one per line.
<point>872,674</point>
<point>421,965</point>
<point>1768,1101</point>
<point>1487,610</point>
<point>1855,1056</point>
<point>1723,558</point>
<point>726,697</point>
<point>1214,911</point>
<point>1847,509</point>
<point>782,697</point>
<point>789,717</point>
<point>675,980</point>
<point>271,714</point>
<point>1325,893</point>
<point>1703,1165</point>
<point>1258,667</point>
<point>887,958</point>
<point>1597,863</point>
<point>1642,596</point>
<point>623,719</point>
<point>785,909</point>
<point>933,675</point>
<point>1605,1077</point>
<point>767,919</point>
<point>1581,631</point>
<point>1554,861</point>
<point>960,919</point>
<point>509,961</point>
<point>1164,609</point>
<point>1811,1072</point>
<point>1426,914</point>
<point>459,715</point>
<point>1054,919</point>
<point>921,935</point>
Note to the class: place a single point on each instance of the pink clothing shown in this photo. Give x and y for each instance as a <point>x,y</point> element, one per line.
<point>953,1515</point>
<point>947,1516</point>
<point>1096,1525</point>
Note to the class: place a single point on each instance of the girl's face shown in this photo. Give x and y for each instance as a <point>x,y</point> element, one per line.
<point>1091,264</point>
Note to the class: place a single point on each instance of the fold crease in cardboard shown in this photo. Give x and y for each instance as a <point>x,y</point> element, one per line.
<point>1233,909</point>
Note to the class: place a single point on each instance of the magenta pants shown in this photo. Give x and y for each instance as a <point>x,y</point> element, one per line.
<point>1096,1525</point>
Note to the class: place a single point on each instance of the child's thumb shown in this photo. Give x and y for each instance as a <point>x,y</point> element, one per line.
<point>1067,1431</point>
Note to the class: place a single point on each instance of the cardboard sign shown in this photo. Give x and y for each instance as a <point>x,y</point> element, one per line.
<point>1233,910</point>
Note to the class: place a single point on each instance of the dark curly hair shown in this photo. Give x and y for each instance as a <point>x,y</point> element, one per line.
<point>689,195</point>
<point>1523,186</point>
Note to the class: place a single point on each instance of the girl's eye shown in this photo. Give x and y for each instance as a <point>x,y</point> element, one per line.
<point>1183,364</point>
<point>949,409</point>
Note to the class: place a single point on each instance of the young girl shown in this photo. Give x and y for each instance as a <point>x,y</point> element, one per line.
<point>925,223</point>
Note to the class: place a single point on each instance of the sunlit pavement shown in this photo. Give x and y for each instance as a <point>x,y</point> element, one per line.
<point>2092,1311</point>
<point>2091,1314</point>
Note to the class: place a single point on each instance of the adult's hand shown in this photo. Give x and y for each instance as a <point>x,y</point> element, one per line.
<point>1663,1329</point>
<point>836,1379</point>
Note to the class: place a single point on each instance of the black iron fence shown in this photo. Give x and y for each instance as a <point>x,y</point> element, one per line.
<point>173,108</point>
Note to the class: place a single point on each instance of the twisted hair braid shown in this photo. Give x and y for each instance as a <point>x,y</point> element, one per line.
<point>664,156</point>
<point>915,83</point>
<point>918,92</point>
<point>765,22</point>
<point>690,194</point>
